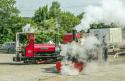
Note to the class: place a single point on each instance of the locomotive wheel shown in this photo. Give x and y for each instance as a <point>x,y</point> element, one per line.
<point>79,66</point>
<point>38,62</point>
<point>27,62</point>
<point>58,65</point>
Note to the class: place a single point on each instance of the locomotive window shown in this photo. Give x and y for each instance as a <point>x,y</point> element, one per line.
<point>23,38</point>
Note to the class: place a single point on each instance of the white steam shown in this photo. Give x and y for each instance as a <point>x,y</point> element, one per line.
<point>90,42</point>
<point>107,12</point>
<point>28,29</point>
<point>87,51</point>
<point>68,69</point>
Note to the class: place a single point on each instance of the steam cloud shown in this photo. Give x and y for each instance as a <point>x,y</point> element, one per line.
<point>107,12</point>
<point>90,48</point>
<point>28,28</point>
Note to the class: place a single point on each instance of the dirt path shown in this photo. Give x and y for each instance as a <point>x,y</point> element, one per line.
<point>10,71</point>
<point>115,73</point>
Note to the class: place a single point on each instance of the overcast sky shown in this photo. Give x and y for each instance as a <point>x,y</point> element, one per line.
<point>27,7</point>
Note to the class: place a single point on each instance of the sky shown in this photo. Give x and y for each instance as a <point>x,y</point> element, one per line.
<point>28,7</point>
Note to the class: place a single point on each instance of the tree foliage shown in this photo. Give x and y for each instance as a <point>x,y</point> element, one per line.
<point>7,11</point>
<point>53,20</point>
<point>80,16</point>
<point>101,25</point>
<point>10,22</point>
<point>55,9</point>
<point>41,14</point>
<point>68,21</point>
<point>48,20</point>
<point>7,8</point>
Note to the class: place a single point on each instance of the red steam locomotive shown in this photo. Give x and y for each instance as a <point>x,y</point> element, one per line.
<point>29,52</point>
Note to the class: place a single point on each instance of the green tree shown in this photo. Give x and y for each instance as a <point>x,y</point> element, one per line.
<point>7,11</point>
<point>80,16</point>
<point>55,10</point>
<point>10,22</point>
<point>41,14</point>
<point>101,25</point>
<point>53,21</point>
<point>46,31</point>
<point>68,21</point>
<point>46,20</point>
<point>7,8</point>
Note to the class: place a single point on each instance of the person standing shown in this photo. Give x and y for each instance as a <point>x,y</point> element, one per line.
<point>105,49</point>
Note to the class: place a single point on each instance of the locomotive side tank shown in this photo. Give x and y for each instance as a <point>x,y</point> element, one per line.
<point>44,48</point>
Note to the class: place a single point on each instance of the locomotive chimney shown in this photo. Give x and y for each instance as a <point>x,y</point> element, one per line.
<point>74,35</point>
<point>56,40</point>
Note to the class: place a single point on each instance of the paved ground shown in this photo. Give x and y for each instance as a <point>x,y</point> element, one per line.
<point>114,70</point>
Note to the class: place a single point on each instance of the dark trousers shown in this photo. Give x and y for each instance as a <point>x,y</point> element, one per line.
<point>105,51</point>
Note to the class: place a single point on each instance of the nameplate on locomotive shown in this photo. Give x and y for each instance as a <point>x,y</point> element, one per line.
<point>44,48</point>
